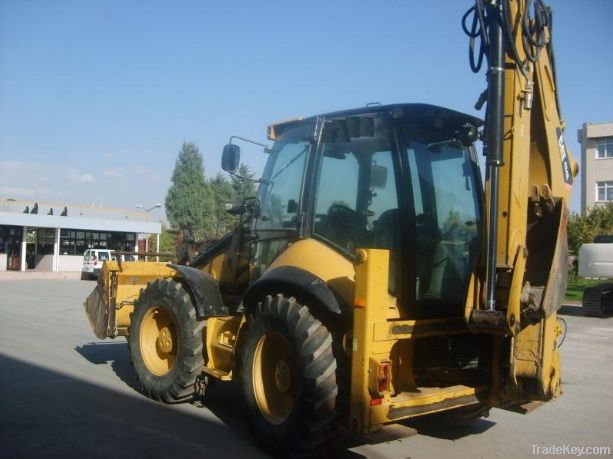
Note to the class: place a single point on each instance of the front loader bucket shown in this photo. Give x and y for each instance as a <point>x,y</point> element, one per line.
<point>99,313</point>
<point>110,304</point>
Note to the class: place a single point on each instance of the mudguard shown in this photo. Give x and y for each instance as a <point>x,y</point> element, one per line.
<point>203,290</point>
<point>307,288</point>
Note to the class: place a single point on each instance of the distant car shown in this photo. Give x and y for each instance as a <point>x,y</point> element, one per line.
<point>93,260</point>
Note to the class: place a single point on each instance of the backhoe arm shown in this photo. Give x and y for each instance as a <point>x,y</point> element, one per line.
<point>522,278</point>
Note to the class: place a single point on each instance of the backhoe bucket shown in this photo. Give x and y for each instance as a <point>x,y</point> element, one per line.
<point>110,304</point>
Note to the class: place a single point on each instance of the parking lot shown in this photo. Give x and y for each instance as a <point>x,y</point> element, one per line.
<point>63,393</point>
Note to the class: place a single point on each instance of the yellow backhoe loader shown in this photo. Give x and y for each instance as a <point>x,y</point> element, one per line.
<point>372,279</point>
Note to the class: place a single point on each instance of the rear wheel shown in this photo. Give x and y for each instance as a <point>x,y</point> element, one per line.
<point>166,342</point>
<point>288,377</point>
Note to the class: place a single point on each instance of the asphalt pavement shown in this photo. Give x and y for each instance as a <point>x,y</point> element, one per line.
<point>63,393</point>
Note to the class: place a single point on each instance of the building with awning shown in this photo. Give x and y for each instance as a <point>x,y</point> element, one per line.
<point>53,236</point>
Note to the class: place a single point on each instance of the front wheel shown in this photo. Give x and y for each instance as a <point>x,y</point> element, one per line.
<point>166,342</point>
<point>288,376</point>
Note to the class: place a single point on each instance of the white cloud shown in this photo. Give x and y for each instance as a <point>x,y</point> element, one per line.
<point>115,173</point>
<point>146,172</point>
<point>40,180</point>
<point>12,167</point>
<point>75,176</point>
<point>20,192</point>
<point>48,182</point>
<point>34,193</point>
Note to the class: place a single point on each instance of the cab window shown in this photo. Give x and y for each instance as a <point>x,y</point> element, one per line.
<point>356,202</point>
<point>281,186</point>
<point>280,196</point>
<point>446,197</point>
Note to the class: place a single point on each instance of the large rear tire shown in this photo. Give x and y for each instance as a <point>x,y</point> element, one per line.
<point>166,342</point>
<point>288,377</point>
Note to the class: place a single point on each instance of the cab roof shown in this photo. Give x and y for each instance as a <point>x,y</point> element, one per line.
<point>422,113</point>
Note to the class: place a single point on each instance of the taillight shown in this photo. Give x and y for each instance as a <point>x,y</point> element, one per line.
<point>384,376</point>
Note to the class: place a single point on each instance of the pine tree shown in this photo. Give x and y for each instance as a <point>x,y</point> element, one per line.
<point>243,188</point>
<point>189,201</point>
<point>223,194</point>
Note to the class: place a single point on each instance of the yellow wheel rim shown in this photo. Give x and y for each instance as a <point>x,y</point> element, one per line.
<point>273,381</point>
<point>158,341</point>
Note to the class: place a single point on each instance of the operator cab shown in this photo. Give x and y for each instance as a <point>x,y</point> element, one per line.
<point>400,177</point>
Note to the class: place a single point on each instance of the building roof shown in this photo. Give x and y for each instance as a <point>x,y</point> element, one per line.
<point>78,217</point>
<point>595,130</point>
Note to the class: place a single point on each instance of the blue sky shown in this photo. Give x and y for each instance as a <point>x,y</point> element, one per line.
<point>96,97</point>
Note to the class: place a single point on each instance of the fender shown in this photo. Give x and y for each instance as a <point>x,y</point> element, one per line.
<point>203,290</point>
<point>304,286</point>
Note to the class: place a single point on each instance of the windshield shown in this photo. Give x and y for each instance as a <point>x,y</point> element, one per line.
<point>281,187</point>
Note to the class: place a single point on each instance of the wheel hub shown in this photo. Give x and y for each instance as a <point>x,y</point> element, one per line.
<point>272,377</point>
<point>158,340</point>
<point>164,340</point>
<point>283,376</point>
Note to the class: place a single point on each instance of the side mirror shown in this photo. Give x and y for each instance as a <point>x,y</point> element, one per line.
<point>230,157</point>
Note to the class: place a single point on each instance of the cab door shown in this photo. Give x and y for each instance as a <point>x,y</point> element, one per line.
<point>446,221</point>
<point>281,195</point>
<point>356,202</point>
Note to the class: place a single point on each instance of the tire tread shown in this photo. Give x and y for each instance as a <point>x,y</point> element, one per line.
<point>179,384</point>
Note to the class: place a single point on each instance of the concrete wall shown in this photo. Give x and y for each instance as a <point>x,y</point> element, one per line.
<point>44,263</point>
<point>70,262</point>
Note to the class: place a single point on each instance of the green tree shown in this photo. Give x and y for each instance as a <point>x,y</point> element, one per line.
<point>223,193</point>
<point>243,188</point>
<point>583,228</point>
<point>167,243</point>
<point>189,200</point>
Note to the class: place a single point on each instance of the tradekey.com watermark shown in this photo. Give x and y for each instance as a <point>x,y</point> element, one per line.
<point>568,450</point>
